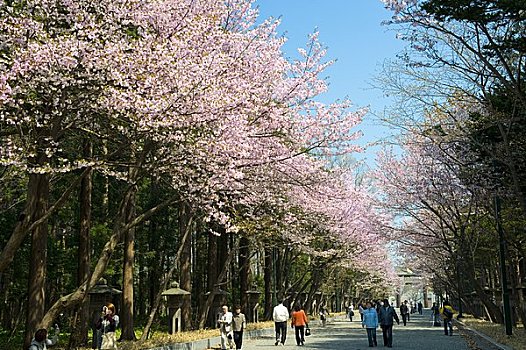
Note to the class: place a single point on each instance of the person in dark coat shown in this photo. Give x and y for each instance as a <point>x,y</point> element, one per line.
<point>386,316</point>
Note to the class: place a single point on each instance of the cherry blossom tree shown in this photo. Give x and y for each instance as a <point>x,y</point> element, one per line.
<point>191,93</point>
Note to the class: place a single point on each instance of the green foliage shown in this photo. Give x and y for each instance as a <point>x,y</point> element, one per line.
<point>488,13</point>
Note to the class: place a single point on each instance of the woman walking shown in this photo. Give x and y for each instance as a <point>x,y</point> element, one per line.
<point>299,322</point>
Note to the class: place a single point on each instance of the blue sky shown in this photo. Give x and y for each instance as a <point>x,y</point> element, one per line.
<point>354,35</point>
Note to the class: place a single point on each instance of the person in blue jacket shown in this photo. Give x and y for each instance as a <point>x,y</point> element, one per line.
<point>370,322</point>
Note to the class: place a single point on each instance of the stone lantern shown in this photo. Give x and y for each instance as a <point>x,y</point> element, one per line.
<point>253,306</point>
<point>99,296</point>
<point>176,298</point>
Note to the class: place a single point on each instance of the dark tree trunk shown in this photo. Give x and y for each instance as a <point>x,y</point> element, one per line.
<point>81,322</point>
<point>106,187</point>
<point>142,294</point>
<point>283,268</point>
<point>7,314</point>
<point>212,262</point>
<point>220,278</point>
<point>278,267</point>
<point>493,310</point>
<point>127,312</point>
<point>315,283</point>
<point>156,265</point>
<point>69,301</point>
<point>200,266</point>
<point>155,274</point>
<point>38,195</point>
<point>267,277</point>
<point>164,284</point>
<point>244,270</point>
<point>222,253</point>
<point>517,292</point>
<point>186,264</point>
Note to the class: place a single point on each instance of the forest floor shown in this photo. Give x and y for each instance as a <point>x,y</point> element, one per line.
<point>497,332</point>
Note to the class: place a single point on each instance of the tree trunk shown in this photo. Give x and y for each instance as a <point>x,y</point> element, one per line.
<point>267,278</point>
<point>127,311</point>
<point>517,293</point>
<point>156,244</point>
<point>26,223</point>
<point>208,303</point>
<point>164,285</point>
<point>316,279</point>
<point>278,275</point>
<point>493,311</point>
<point>222,251</point>
<point>71,300</point>
<point>106,186</point>
<point>244,270</point>
<point>155,274</point>
<point>38,195</point>
<point>81,323</point>
<point>185,264</point>
<point>212,262</point>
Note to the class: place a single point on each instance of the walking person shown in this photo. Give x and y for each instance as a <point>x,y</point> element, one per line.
<point>225,325</point>
<point>404,311</point>
<point>435,315</point>
<point>370,322</point>
<point>239,323</point>
<point>106,326</point>
<point>386,315</point>
<point>351,312</point>
<point>280,315</point>
<point>323,315</point>
<point>299,322</point>
<point>420,308</point>
<point>379,305</point>
<point>447,313</point>
<point>41,341</point>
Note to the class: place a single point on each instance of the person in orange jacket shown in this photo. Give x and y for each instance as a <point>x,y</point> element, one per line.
<point>299,322</point>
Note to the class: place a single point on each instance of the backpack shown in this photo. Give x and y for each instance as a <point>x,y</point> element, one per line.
<point>447,312</point>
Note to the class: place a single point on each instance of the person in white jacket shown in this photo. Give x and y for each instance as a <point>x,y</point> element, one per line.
<point>225,324</point>
<point>280,317</point>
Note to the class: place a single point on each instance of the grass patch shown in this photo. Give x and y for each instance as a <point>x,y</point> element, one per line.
<point>498,332</point>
